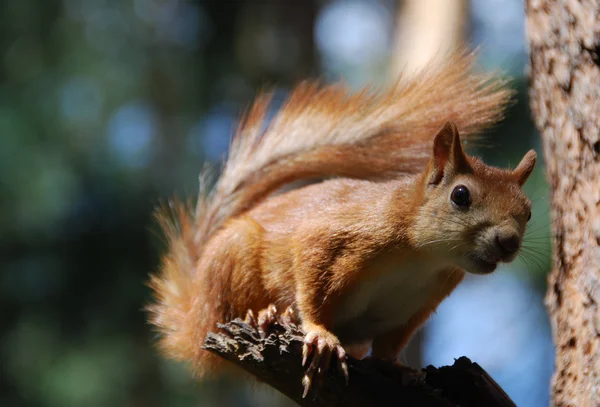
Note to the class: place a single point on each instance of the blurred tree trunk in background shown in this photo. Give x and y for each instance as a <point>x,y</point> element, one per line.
<point>425,29</point>
<point>565,99</point>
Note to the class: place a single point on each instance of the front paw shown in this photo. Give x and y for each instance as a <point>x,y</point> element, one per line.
<point>322,345</point>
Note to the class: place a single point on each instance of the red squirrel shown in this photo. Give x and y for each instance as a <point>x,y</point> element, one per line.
<point>364,256</point>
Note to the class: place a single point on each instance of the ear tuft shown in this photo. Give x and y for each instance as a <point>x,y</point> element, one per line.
<point>448,155</point>
<point>525,167</point>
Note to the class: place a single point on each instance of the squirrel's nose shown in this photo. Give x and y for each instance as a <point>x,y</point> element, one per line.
<point>508,243</point>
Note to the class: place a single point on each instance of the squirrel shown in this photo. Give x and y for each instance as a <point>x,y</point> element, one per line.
<point>365,255</point>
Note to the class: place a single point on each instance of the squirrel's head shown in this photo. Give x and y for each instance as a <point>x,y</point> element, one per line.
<point>472,215</point>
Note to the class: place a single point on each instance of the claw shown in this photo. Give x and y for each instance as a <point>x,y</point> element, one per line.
<point>306,351</point>
<point>288,316</point>
<point>266,317</point>
<point>250,319</point>
<point>307,348</point>
<point>344,368</point>
<point>342,364</point>
<point>324,361</point>
<point>314,364</point>
<point>306,381</point>
<point>322,345</point>
<point>272,311</point>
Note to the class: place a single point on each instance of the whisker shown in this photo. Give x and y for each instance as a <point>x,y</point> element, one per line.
<point>538,259</point>
<point>537,250</point>
<point>538,228</point>
<point>430,242</point>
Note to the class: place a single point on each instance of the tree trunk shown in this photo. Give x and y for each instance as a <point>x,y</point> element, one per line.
<point>426,29</point>
<point>416,44</point>
<point>564,38</point>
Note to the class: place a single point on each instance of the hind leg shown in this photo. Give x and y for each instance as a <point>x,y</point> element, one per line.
<point>237,266</point>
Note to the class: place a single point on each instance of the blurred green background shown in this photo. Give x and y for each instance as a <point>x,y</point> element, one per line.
<point>108,108</point>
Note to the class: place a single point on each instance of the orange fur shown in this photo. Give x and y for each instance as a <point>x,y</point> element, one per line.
<point>337,250</point>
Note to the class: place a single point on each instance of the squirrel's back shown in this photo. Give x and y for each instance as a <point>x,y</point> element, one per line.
<point>319,132</point>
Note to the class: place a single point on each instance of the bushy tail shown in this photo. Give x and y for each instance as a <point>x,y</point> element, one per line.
<point>319,132</point>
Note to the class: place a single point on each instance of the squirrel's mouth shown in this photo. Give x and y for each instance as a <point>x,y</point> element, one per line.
<point>484,266</point>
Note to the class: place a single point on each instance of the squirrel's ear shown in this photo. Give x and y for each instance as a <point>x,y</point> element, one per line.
<point>525,167</point>
<point>448,155</point>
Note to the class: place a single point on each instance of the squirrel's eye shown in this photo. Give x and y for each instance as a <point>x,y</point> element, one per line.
<point>529,216</point>
<point>461,196</point>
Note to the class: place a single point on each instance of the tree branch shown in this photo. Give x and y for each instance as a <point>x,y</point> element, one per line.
<point>275,360</point>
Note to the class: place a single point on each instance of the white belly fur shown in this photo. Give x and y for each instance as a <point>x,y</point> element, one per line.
<point>388,300</point>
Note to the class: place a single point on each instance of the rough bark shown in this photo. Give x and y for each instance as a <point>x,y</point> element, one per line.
<point>274,358</point>
<point>564,38</point>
